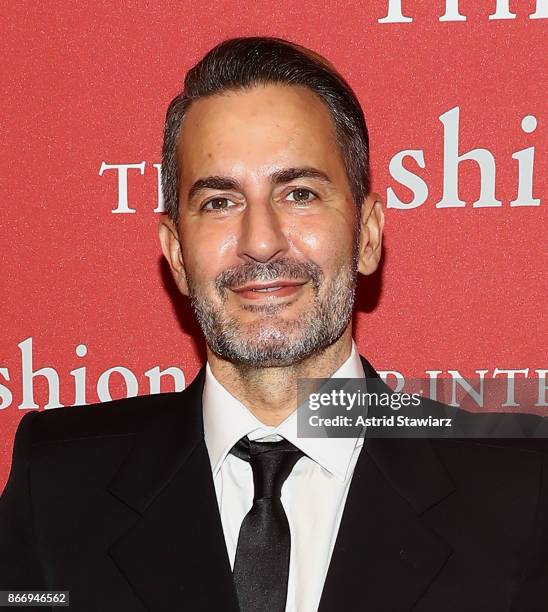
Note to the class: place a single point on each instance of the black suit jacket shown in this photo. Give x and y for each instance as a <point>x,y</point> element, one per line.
<point>116,504</point>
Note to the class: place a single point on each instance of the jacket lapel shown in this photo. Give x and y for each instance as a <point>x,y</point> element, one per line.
<point>385,555</point>
<point>173,553</point>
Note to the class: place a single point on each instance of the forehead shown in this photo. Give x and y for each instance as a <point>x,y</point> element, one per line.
<point>256,131</point>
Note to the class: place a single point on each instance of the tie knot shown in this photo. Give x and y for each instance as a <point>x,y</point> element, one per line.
<point>271,463</point>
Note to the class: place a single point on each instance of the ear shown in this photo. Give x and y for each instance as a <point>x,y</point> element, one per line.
<point>371,228</point>
<point>171,248</point>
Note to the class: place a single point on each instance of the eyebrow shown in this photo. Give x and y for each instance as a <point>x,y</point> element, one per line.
<point>278,177</point>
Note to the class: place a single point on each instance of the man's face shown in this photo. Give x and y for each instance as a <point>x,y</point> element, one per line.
<point>267,225</point>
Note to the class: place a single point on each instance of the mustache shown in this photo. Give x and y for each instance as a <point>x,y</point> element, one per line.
<point>268,271</point>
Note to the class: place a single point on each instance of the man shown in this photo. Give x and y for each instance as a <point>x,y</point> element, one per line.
<point>208,500</point>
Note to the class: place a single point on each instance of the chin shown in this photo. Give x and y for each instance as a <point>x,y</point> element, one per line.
<point>271,346</point>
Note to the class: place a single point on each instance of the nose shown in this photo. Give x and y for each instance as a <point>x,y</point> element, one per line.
<point>262,236</point>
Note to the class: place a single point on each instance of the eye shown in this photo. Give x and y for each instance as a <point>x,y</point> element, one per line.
<point>302,196</point>
<point>218,204</point>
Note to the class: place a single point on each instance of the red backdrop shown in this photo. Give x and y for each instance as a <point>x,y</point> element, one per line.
<point>463,283</point>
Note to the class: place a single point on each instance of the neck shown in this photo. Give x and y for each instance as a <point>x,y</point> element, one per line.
<point>271,393</point>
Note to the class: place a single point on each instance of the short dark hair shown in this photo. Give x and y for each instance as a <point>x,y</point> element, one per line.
<point>242,63</point>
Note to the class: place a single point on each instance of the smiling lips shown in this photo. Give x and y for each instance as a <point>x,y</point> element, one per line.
<point>277,288</point>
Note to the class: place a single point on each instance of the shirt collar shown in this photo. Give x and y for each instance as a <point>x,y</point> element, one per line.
<point>226,420</point>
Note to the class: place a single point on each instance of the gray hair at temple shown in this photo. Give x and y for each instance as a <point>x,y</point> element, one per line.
<point>243,63</point>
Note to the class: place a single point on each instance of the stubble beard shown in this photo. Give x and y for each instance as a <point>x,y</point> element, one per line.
<point>271,340</point>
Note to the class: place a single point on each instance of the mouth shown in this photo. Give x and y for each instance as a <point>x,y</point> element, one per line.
<point>270,290</point>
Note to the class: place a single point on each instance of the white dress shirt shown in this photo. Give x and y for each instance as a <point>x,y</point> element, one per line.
<point>313,496</point>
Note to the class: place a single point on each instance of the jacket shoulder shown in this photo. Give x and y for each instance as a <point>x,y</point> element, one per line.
<point>128,416</point>
<point>114,418</point>
<point>519,432</point>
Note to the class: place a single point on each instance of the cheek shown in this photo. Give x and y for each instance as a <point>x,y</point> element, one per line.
<point>207,252</point>
<point>324,244</point>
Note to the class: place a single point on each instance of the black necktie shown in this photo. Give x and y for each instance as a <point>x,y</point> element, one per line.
<point>261,566</point>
